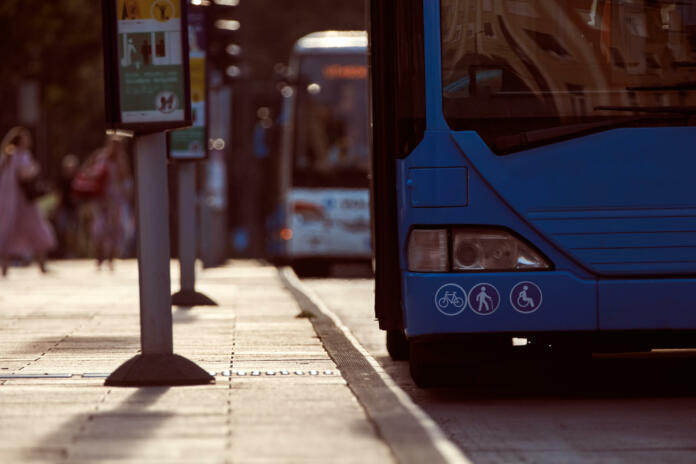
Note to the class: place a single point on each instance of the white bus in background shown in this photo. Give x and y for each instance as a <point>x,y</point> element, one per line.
<point>323,211</point>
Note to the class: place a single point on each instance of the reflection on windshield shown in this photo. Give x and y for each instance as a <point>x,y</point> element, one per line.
<point>514,66</point>
<point>331,143</point>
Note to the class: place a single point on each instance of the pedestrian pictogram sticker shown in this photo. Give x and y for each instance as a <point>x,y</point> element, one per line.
<point>484,299</point>
<point>526,297</point>
<point>450,299</point>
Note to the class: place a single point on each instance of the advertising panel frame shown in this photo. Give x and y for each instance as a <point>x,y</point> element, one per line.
<point>202,10</point>
<point>112,76</point>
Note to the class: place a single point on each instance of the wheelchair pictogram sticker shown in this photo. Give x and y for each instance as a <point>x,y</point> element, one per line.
<point>450,299</point>
<point>484,299</point>
<point>526,297</point>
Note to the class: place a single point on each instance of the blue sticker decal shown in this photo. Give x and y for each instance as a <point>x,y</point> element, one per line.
<point>484,299</point>
<point>450,299</point>
<point>526,297</point>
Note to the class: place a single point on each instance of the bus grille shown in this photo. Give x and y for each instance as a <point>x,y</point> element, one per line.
<point>625,242</point>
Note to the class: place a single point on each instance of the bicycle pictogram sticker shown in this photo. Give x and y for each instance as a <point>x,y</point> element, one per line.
<point>450,299</point>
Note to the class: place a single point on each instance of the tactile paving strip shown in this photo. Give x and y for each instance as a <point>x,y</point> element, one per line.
<point>226,373</point>
<point>282,372</point>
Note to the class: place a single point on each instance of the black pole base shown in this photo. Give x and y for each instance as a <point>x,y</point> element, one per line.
<point>158,370</point>
<point>191,298</point>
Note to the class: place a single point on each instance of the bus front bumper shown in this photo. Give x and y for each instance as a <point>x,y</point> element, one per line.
<point>556,301</point>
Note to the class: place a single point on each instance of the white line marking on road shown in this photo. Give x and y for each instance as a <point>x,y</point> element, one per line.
<point>444,445</point>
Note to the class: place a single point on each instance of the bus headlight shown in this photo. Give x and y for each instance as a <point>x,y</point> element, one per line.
<point>428,250</point>
<point>491,249</point>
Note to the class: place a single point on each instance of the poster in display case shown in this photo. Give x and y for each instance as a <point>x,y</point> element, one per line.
<point>146,66</point>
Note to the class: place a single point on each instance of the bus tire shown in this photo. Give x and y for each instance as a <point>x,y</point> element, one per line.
<point>311,268</point>
<point>424,371</point>
<point>397,345</point>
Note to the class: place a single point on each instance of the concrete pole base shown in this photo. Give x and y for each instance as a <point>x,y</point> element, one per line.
<point>191,298</point>
<point>158,370</point>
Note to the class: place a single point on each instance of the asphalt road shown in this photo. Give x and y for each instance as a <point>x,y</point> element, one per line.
<point>611,409</point>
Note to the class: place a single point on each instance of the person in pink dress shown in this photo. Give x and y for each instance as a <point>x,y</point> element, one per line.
<point>23,231</point>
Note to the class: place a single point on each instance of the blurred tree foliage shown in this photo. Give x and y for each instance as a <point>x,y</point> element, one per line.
<point>57,43</point>
<point>270,27</point>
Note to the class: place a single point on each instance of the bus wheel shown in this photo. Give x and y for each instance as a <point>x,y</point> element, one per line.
<point>397,344</point>
<point>311,268</point>
<point>424,371</point>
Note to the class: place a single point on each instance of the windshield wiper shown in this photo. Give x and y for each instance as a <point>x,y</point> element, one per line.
<point>657,88</point>
<point>521,140</point>
<point>650,109</point>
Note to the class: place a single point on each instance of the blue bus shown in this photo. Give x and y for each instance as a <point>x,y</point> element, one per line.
<point>533,176</point>
<point>323,213</point>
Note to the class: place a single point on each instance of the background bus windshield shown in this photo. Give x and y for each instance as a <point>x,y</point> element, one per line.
<point>524,73</point>
<point>331,124</point>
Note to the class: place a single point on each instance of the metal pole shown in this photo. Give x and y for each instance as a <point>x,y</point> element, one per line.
<point>187,225</point>
<point>153,244</point>
<point>157,365</point>
<point>187,296</point>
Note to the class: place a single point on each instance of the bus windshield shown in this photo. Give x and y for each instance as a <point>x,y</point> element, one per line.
<point>528,72</point>
<point>331,123</point>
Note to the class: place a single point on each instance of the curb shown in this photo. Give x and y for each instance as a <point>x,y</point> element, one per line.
<point>413,437</point>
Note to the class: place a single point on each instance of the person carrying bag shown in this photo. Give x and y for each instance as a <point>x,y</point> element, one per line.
<point>90,181</point>
<point>23,231</point>
<point>30,182</point>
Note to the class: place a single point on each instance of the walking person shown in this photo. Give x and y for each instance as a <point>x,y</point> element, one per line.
<point>484,300</point>
<point>23,231</point>
<point>111,207</point>
<point>66,216</point>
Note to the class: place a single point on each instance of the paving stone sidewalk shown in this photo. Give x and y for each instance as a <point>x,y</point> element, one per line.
<point>78,321</point>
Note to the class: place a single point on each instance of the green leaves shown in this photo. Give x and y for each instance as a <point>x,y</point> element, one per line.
<point>58,43</point>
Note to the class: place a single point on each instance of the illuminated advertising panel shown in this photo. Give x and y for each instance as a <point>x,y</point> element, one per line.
<point>146,75</point>
<point>191,143</point>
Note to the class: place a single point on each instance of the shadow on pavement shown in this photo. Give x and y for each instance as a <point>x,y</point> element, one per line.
<point>666,373</point>
<point>78,343</point>
<point>333,270</point>
<point>105,435</point>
